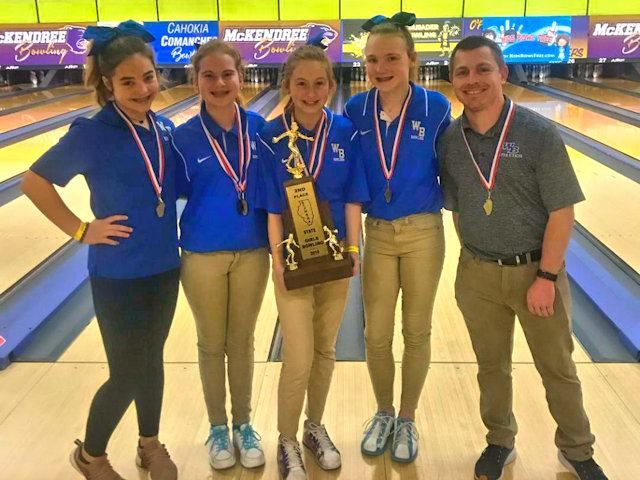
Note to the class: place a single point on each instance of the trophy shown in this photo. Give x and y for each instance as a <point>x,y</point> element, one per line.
<point>314,254</point>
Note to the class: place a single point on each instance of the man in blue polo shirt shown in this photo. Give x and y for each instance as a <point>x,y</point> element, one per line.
<point>508,179</point>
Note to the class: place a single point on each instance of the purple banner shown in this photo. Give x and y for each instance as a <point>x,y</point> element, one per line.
<point>614,37</point>
<point>26,45</point>
<point>272,42</point>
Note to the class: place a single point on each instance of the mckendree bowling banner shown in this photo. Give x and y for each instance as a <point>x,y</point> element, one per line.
<point>615,38</point>
<point>50,45</point>
<point>175,42</point>
<point>434,38</point>
<point>272,42</point>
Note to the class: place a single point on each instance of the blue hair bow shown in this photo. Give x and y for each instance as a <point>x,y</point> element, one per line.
<point>401,18</point>
<point>317,41</point>
<point>103,36</point>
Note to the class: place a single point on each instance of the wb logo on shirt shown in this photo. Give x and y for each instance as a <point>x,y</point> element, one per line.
<point>418,129</point>
<point>337,151</point>
<point>511,150</point>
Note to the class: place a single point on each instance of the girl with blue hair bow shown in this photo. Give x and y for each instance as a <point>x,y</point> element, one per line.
<point>125,154</point>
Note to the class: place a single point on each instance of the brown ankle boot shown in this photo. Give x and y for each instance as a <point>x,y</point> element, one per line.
<point>155,458</point>
<point>98,469</point>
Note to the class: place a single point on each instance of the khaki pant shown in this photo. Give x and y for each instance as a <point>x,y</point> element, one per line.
<point>225,291</point>
<point>490,296</point>
<point>408,254</point>
<point>309,320</point>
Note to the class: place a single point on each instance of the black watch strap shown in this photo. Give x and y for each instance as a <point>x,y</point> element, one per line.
<point>547,275</point>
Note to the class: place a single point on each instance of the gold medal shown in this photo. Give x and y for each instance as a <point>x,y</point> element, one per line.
<point>488,206</point>
<point>160,208</point>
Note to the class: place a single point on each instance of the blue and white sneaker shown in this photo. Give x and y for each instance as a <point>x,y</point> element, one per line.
<point>247,441</point>
<point>405,441</point>
<point>290,465</point>
<point>376,433</point>
<point>221,454</point>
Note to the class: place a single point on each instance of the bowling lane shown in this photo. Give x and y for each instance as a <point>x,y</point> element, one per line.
<point>16,158</point>
<point>630,85</point>
<point>29,98</point>
<point>604,95</point>
<point>608,131</point>
<point>28,238</point>
<point>43,112</point>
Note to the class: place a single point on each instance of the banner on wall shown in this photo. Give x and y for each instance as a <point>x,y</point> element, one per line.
<point>530,39</point>
<point>50,46</point>
<point>434,38</point>
<point>614,38</point>
<point>272,42</point>
<point>175,42</point>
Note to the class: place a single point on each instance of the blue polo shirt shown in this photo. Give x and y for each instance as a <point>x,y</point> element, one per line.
<point>414,185</point>
<point>341,179</point>
<point>210,221</point>
<point>103,150</point>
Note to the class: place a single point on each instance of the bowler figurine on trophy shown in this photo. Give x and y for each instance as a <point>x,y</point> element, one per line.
<point>313,252</point>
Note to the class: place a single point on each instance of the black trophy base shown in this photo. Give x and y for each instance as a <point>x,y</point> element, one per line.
<point>318,272</point>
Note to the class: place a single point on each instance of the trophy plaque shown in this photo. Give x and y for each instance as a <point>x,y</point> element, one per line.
<point>313,253</point>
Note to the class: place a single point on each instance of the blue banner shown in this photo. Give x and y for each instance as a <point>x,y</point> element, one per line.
<point>530,39</point>
<point>175,42</point>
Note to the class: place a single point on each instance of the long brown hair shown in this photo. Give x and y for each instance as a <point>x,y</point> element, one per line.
<point>306,52</point>
<point>390,28</point>
<point>105,63</point>
<point>215,45</point>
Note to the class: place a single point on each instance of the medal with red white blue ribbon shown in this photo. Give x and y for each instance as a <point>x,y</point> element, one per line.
<point>389,171</point>
<point>155,181</point>
<point>314,164</point>
<point>244,159</point>
<point>490,184</point>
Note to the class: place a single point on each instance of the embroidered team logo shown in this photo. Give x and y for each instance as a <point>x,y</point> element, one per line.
<point>418,130</point>
<point>511,150</point>
<point>253,149</point>
<point>338,153</point>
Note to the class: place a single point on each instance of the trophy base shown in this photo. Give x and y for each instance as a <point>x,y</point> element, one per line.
<point>316,273</point>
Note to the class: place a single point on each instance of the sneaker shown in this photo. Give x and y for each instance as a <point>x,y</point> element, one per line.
<point>290,464</point>
<point>376,433</point>
<point>98,469</point>
<point>247,441</point>
<point>221,454</point>
<point>155,458</point>
<point>316,439</point>
<point>405,441</point>
<point>492,460</point>
<point>586,470</point>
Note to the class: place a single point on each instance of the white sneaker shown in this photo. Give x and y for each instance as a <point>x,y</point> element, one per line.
<point>317,440</point>
<point>376,433</point>
<point>247,441</point>
<point>221,454</point>
<point>405,441</point>
<point>290,465</point>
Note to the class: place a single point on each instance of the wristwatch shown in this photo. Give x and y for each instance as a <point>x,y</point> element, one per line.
<point>546,275</point>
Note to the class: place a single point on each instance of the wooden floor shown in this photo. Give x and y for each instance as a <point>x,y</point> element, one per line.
<point>43,407</point>
<point>632,86</point>
<point>604,95</point>
<point>29,98</point>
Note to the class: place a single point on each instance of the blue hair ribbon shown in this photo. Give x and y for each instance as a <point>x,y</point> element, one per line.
<point>103,36</point>
<point>405,19</point>
<point>317,41</point>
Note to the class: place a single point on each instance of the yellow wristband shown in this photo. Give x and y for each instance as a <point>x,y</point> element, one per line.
<point>80,232</point>
<point>353,248</point>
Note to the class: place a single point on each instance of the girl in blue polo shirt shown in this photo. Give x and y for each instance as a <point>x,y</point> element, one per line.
<point>399,123</point>
<point>125,154</point>
<point>225,261</point>
<point>310,316</point>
